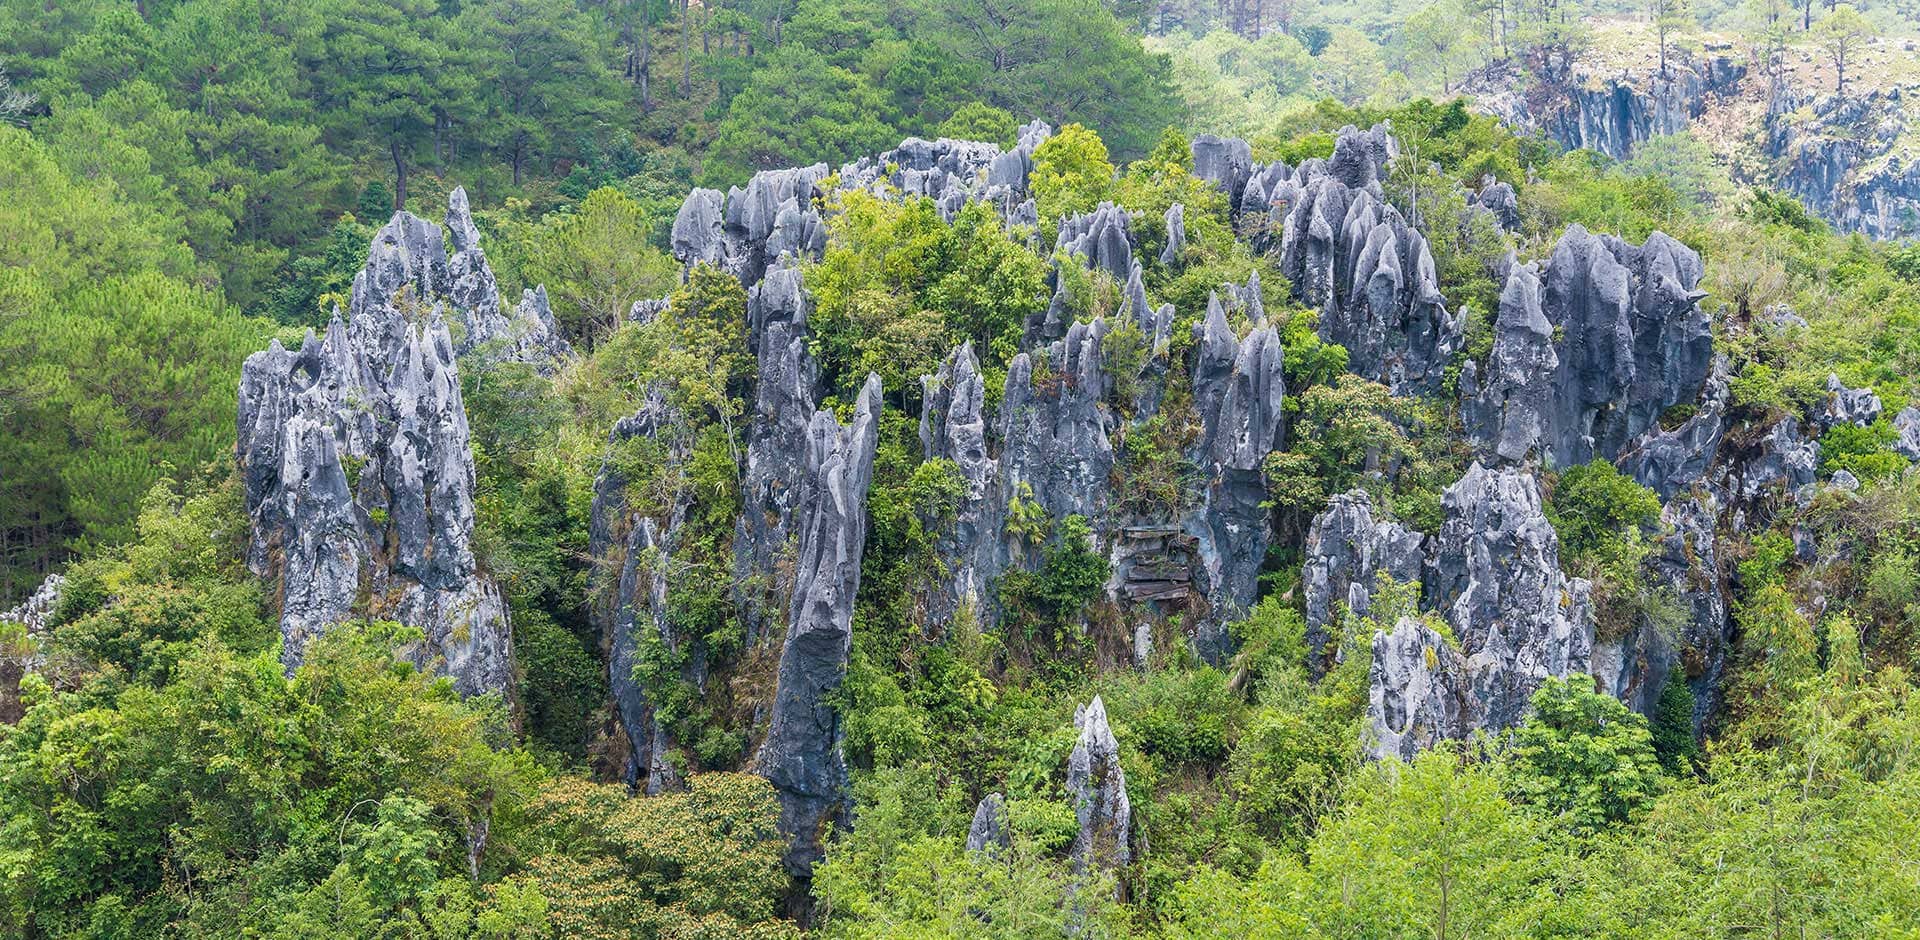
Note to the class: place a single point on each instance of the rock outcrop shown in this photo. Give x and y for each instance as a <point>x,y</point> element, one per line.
<point>1098,788</point>
<point>953,426</point>
<point>633,553</point>
<point>1239,391</point>
<point>527,333</point>
<point>1590,352</point>
<point>989,834</point>
<point>1417,696</point>
<point>1495,576</point>
<point>801,755</point>
<point>1855,406</point>
<point>777,435</point>
<point>746,230</point>
<point>357,465</point>
<point>1581,108</point>
<point>954,173</point>
<point>1354,256</point>
<point>1348,550</point>
<point>1853,160</point>
<point>1906,424</point>
<point>36,611</point>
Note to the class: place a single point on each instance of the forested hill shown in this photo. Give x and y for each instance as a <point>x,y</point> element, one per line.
<point>554,469</point>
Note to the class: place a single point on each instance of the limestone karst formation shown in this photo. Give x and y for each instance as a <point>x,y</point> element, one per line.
<point>356,456</point>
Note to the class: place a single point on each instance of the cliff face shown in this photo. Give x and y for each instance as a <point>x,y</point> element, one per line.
<point>1854,160</point>
<point>1614,113</point>
<point>356,456</point>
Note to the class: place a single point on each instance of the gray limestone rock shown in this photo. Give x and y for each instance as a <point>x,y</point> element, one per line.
<point>38,607</point>
<point>1239,392</point>
<point>1495,576</point>
<point>1499,200</point>
<point>1417,692</point>
<point>632,554</point>
<point>1785,464</point>
<point>1225,162</point>
<point>1176,223</point>
<point>1907,425</point>
<point>1347,551</point>
<point>801,755</point>
<point>359,473</point>
<point>953,427</point>
<point>1352,255</point>
<point>777,434</point>
<point>1856,406</point>
<point>1098,788</point>
<point>527,333</point>
<point>989,833</point>
<point>1590,352</point>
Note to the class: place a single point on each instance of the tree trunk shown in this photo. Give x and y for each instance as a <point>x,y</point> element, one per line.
<point>686,50</point>
<point>399,175</point>
<point>519,156</point>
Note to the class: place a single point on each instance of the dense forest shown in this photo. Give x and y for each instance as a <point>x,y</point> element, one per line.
<point>986,468</point>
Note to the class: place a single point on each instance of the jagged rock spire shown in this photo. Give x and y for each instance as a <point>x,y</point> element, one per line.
<point>801,755</point>
<point>1099,790</point>
<point>358,468</point>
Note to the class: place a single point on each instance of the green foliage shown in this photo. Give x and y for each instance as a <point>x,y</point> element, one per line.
<point>1071,173</point>
<point>594,260</point>
<point>1046,605</point>
<point>904,872</point>
<point>704,862</point>
<point>1582,759</point>
<point>1671,724</point>
<point>1597,511</point>
<point>1341,432</point>
<point>1866,452</point>
<point>977,120</point>
<point>234,771</point>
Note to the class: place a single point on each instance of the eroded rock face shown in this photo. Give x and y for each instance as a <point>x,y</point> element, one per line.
<point>1239,391</point>
<point>34,612</point>
<point>1495,577</point>
<point>1354,256</point>
<point>954,173</point>
<point>801,755</point>
<point>747,230</point>
<point>777,434</point>
<point>527,333</point>
<point>359,473</point>
<point>1847,158</point>
<point>989,833</point>
<point>1634,667</point>
<point>633,553</point>
<point>1907,425</point>
<point>1611,113</point>
<point>1348,549</point>
<point>1098,788</point>
<point>1590,352</point>
<point>1417,694</point>
<point>1855,406</point>
<point>953,427</point>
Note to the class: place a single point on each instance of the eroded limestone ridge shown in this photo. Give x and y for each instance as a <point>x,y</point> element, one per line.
<point>356,455</point>
<point>801,755</point>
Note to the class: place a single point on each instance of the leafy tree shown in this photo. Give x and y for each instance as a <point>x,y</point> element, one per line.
<point>978,120</point>
<point>1066,61</point>
<point>1582,759</point>
<point>545,64</point>
<point>595,261</point>
<point>799,109</point>
<point>1071,173</point>
<point>1840,35</point>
